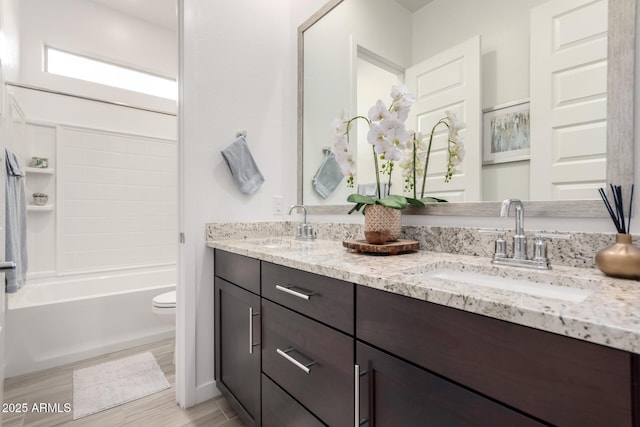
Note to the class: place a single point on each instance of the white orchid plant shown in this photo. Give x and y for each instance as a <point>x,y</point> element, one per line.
<point>392,142</point>
<point>415,162</point>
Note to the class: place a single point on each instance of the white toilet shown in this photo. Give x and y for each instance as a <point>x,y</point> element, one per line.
<point>164,307</point>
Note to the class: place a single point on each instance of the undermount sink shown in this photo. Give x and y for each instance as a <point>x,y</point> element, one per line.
<point>534,286</point>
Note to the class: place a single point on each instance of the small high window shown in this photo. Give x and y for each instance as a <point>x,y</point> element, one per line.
<point>97,71</point>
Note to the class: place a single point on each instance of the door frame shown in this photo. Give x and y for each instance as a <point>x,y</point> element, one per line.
<point>185,350</point>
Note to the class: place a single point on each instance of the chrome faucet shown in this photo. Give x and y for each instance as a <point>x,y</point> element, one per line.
<point>519,256</point>
<point>519,239</point>
<point>305,231</point>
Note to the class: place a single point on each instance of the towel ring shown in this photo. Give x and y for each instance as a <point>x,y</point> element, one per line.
<point>241,133</point>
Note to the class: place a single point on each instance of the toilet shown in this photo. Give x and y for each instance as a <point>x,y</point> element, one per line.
<point>164,307</point>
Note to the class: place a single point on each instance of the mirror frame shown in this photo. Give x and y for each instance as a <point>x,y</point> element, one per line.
<point>620,126</point>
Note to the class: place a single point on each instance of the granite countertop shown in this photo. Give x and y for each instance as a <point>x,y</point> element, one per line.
<point>576,302</point>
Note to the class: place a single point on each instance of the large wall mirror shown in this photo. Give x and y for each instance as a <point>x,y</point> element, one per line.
<point>351,46</point>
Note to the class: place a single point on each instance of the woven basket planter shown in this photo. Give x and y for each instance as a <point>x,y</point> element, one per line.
<point>380,220</point>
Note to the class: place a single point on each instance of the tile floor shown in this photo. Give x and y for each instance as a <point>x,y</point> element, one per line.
<point>157,410</point>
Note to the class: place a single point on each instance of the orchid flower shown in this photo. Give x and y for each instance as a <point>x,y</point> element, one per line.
<point>378,112</point>
<point>392,143</point>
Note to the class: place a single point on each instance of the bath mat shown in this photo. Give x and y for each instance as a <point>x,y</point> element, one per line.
<point>110,384</point>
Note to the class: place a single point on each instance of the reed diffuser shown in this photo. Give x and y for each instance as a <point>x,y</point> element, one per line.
<point>621,260</point>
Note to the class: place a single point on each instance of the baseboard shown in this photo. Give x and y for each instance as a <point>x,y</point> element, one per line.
<point>206,391</point>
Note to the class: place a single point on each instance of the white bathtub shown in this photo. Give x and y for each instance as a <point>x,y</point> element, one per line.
<point>50,323</point>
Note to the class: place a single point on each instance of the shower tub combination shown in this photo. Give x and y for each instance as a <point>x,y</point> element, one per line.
<point>50,323</point>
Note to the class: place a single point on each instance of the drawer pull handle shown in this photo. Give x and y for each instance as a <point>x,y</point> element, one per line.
<point>251,343</point>
<point>303,366</point>
<point>289,290</point>
<point>356,387</point>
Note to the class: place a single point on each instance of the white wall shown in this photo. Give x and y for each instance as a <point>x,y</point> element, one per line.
<point>10,46</point>
<point>239,62</point>
<point>70,25</point>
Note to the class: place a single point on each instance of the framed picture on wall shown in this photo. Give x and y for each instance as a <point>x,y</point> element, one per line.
<point>506,135</point>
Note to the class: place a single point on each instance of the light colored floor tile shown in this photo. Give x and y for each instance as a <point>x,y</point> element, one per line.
<point>55,385</point>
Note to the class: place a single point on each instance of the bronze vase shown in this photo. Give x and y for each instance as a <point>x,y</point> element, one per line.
<point>621,260</point>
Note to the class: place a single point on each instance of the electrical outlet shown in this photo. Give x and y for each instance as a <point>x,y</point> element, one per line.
<point>277,205</point>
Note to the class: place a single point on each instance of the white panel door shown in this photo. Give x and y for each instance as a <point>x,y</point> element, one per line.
<point>568,99</point>
<point>450,81</point>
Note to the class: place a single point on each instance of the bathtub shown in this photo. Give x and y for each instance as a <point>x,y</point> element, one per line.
<point>62,320</point>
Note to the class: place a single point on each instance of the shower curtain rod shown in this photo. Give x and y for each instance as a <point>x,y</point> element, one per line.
<point>88,98</point>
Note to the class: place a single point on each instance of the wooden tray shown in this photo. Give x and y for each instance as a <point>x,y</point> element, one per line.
<point>391,248</point>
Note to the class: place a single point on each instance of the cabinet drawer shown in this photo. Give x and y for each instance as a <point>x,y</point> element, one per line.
<point>322,298</point>
<point>290,341</point>
<point>238,269</point>
<point>281,410</point>
<point>557,379</point>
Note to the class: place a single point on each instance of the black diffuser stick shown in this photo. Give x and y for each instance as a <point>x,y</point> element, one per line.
<point>608,206</point>
<point>630,207</point>
<point>616,206</point>
<point>617,212</point>
<point>621,208</point>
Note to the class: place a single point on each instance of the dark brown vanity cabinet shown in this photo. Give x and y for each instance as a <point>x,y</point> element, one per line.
<point>328,352</point>
<point>557,380</point>
<point>237,334</point>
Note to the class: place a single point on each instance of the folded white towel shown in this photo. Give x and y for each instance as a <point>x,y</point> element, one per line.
<point>328,175</point>
<point>244,171</point>
<point>15,223</point>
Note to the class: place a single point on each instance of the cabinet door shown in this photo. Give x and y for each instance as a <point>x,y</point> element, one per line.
<point>237,351</point>
<point>395,393</point>
<point>563,381</point>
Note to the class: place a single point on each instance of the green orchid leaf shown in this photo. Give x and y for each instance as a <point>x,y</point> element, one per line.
<point>415,202</point>
<point>433,200</point>
<point>393,201</point>
<point>356,207</point>
<point>359,198</point>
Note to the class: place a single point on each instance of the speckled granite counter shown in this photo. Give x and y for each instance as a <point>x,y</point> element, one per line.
<point>598,309</point>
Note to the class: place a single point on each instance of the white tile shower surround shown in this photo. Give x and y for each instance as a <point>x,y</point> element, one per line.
<point>607,316</point>
<point>118,199</point>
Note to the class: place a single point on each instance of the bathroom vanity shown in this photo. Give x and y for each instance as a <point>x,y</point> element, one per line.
<point>309,334</point>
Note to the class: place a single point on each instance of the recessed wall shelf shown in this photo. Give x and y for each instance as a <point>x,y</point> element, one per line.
<point>45,171</point>
<point>36,208</point>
